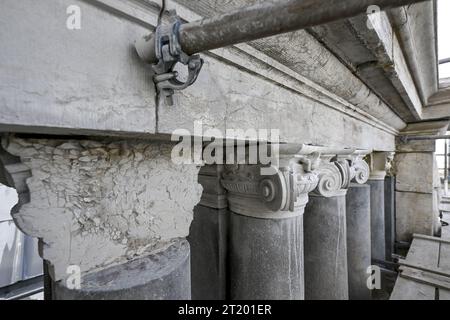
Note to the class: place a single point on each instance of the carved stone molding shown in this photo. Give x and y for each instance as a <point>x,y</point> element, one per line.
<point>214,195</point>
<point>338,168</point>
<point>378,163</point>
<point>282,195</point>
<point>303,169</point>
<point>390,168</point>
<point>360,170</point>
<point>330,181</point>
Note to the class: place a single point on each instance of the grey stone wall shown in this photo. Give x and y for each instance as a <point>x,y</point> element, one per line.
<point>92,82</point>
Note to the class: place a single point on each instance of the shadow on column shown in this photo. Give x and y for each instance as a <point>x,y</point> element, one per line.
<point>266,258</point>
<point>389,213</point>
<point>358,240</point>
<point>326,274</point>
<point>208,240</point>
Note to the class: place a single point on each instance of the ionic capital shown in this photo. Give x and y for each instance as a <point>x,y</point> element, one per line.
<point>390,168</point>
<point>334,177</point>
<point>302,170</point>
<point>360,170</point>
<point>283,194</point>
<point>379,163</point>
<point>337,168</point>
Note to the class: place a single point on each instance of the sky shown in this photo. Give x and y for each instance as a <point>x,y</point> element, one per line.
<point>8,198</point>
<point>444,36</point>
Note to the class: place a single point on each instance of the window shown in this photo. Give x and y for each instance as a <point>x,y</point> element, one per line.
<point>440,155</point>
<point>444,37</point>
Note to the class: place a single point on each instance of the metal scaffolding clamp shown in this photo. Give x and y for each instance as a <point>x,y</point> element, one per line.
<point>169,53</point>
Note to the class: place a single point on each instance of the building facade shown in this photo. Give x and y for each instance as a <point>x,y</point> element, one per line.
<point>88,144</point>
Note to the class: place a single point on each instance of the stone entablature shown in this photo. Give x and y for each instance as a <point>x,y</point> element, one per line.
<point>303,169</point>
<point>122,99</point>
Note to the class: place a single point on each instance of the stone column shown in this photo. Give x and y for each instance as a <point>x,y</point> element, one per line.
<point>358,240</point>
<point>208,238</point>
<point>377,162</point>
<point>389,207</point>
<point>266,230</point>
<point>326,249</point>
<point>112,216</point>
<point>326,267</point>
<point>358,233</point>
<point>417,181</point>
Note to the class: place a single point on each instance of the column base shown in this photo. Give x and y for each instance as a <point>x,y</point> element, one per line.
<point>161,276</point>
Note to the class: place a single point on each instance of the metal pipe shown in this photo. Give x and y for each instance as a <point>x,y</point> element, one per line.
<point>447,60</point>
<point>264,20</point>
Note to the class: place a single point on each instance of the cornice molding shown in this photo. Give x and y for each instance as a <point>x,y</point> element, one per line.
<point>250,60</point>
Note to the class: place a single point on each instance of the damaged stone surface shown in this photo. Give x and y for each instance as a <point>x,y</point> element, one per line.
<point>107,89</point>
<point>417,181</point>
<point>97,203</point>
<point>305,55</point>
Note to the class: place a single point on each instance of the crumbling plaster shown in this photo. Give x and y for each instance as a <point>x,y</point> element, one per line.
<point>97,203</point>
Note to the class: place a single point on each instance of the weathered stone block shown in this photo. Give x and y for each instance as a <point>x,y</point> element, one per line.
<point>414,214</point>
<point>415,172</point>
<point>89,79</point>
<point>326,272</point>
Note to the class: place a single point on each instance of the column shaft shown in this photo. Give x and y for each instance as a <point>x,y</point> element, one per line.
<point>389,214</point>
<point>208,236</point>
<point>377,219</point>
<point>358,240</point>
<point>326,274</point>
<point>208,240</point>
<point>266,258</point>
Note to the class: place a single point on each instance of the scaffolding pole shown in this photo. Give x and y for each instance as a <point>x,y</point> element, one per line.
<point>266,19</point>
